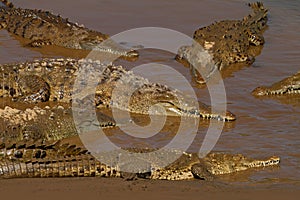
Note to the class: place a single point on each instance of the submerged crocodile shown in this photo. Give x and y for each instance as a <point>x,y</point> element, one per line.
<point>287,86</point>
<point>45,124</point>
<point>59,159</point>
<point>228,42</point>
<point>44,28</point>
<point>54,79</point>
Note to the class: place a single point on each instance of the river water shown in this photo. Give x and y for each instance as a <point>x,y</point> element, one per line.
<point>264,127</point>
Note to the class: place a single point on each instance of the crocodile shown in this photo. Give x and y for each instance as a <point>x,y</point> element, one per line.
<point>60,159</point>
<point>42,28</point>
<point>53,80</point>
<point>43,123</point>
<point>287,86</point>
<point>228,42</point>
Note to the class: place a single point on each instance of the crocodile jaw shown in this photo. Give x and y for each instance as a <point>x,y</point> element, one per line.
<point>227,117</point>
<point>239,163</point>
<point>274,160</point>
<point>203,112</point>
<point>264,91</point>
<point>287,86</point>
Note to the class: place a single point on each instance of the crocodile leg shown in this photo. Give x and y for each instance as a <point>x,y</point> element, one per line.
<point>44,123</point>
<point>200,171</point>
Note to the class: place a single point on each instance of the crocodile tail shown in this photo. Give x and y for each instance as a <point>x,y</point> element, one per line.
<point>38,149</point>
<point>7,3</point>
<point>55,159</point>
<point>257,6</point>
<point>73,166</point>
<point>84,165</point>
<point>258,18</point>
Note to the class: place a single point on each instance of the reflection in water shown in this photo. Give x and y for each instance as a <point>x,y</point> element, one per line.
<point>293,100</point>
<point>264,127</point>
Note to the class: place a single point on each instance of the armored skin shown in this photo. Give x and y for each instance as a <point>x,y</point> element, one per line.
<point>53,80</point>
<point>228,42</point>
<point>44,28</point>
<point>287,86</point>
<point>60,159</point>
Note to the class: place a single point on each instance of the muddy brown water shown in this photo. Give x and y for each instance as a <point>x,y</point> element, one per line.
<point>264,127</point>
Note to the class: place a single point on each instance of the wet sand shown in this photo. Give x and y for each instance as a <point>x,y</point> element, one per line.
<point>113,188</point>
<point>264,127</point>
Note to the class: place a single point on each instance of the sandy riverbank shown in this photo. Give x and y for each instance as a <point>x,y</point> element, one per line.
<point>114,188</point>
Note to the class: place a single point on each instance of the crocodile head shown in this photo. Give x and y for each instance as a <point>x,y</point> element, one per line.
<point>217,163</point>
<point>175,106</point>
<point>125,90</point>
<point>203,111</point>
<point>159,100</point>
<point>49,123</point>
<point>264,91</point>
<point>289,85</point>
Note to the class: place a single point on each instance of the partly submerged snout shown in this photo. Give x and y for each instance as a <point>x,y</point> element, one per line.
<point>283,90</point>
<point>203,111</point>
<point>274,160</point>
<point>260,91</point>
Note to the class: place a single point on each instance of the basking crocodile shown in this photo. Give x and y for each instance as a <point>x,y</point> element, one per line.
<point>53,80</point>
<point>228,42</point>
<point>287,86</point>
<point>44,28</point>
<point>48,123</point>
<point>59,159</point>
